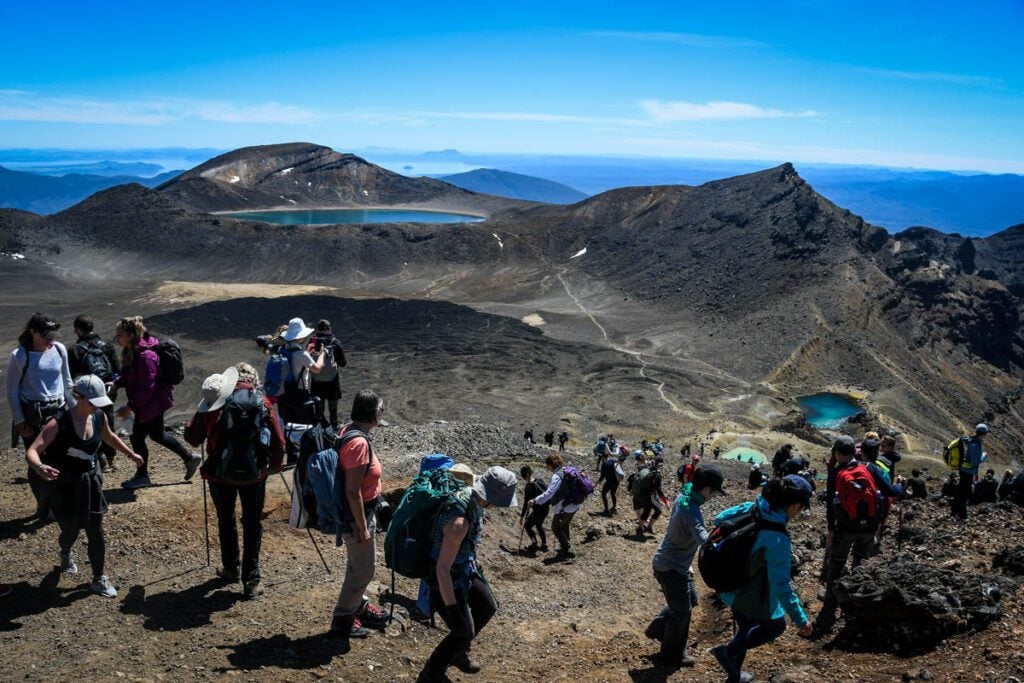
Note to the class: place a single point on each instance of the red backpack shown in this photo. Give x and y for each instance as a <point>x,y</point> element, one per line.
<point>857,498</point>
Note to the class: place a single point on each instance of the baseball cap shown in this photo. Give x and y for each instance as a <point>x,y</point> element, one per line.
<point>47,326</point>
<point>845,445</point>
<point>982,428</point>
<point>709,475</point>
<point>90,387</point>
<point>803,489</point>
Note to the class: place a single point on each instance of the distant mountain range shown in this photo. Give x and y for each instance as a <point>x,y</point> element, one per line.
<point>514,186</point>
<point>48,194</point>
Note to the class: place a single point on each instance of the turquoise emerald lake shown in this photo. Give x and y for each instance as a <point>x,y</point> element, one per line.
<point>334,216</point>
<point>828,411</point>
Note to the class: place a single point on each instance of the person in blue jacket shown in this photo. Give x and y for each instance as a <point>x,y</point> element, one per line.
<point>760,608</point>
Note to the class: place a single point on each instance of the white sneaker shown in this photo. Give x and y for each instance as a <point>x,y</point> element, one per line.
<point>67,563</point>
<point>101,586</point>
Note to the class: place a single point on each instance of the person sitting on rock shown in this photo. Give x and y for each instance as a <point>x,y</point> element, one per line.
<point>1006,486</point>
<point>756,477</point>
<point>683,537</point>
<point>950,486</point>
<point>917,486</point>
<point>986,490</point>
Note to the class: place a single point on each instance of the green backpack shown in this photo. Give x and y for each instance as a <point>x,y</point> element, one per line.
<point>407,544</point>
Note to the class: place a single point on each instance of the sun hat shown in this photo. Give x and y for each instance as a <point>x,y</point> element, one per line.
<point>296,330</point>
<point>90,387</point>
<point>216,389</point>
<point>497,486</point>
<point>463,473</point>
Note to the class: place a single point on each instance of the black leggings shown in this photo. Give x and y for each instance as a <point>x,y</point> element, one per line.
<point>63,506</point>
<point>611,486</point>
<point>474,608</point>
<point>535,525</point>
<point>154,429</point>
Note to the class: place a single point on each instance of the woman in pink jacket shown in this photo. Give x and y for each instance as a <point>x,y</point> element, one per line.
<point>148,399</point>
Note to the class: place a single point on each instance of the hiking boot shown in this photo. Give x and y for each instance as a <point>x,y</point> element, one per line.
<point>101,586</point>
<point>721,654</point>
<point>567,553</point>
<point>532,548</point>
<point>373,616</point>
<point>67,563</point>
<point>229,575</point>
<point>348,627</point>
<point>465,663</point>
<point>139,481</point>
<point>544,548</point>
<point>251,589</point>
<point>191,465</point>
<point>6,589</point>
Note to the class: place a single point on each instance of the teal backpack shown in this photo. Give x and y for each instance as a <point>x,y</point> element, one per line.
<point>407,544</point>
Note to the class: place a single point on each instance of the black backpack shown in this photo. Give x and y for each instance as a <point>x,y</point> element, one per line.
<point>243,443</point>
<point>94,359</point>
<point>723,558</point>
<point>172,366</point>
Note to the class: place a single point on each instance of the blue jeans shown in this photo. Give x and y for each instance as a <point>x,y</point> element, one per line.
<point>751,633</point>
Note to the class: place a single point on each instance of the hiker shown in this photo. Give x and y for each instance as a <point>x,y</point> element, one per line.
<point>972,458</point>
<point>1005,490</point>
<point>90,355</point>
<point>1017,491</point>
<point>563,439</point>
<point>326,384</point>
<point>916,485</point>
<point>887,450</point>
<point>950,486</point>
<point>362,470</point>
<point>148,398</point>
<point>690,468</point>
<point>549,439</point>
<point>563,509</point>
<point>600,451</point>
<point>782,455</point>
<point>458,589</point>
<point>611,474</point>
<point>759,609</point>
<point>855,492</point>
<point>717,452</point>
<point>986,490</point>
<point>233,419</point>
<point>683,537</point>
<point>64,455</point>
<point>38,388</point>
<point>532,516</point>
<point>756,477</point>
<point>647,496</point>
<point>296,405</point>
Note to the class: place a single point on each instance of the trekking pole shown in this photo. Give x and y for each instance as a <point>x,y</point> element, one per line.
<point>899,528</point>
<point>311,537</point>
<point>206,516</point>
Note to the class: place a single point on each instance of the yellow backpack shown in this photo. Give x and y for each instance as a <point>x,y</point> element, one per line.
<point>955,453</point>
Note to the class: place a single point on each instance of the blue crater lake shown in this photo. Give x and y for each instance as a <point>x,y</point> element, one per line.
<point>334,216</point>
<point>828,411</point>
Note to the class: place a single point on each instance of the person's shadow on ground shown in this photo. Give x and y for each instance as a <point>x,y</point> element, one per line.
<point>308,652</point>
<point>27,600</point>
<point>13,528</point>
<point>179,610</point>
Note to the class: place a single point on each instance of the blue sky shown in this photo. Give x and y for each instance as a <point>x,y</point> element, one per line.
<point>923,84</point>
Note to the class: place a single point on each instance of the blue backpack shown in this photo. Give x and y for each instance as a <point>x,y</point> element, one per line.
<point>278,372</point>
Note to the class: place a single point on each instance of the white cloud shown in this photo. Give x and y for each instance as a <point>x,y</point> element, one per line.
<point>20,105</point>
<point>688,39</point>
<point>670,111</point>
<point>937,77</point>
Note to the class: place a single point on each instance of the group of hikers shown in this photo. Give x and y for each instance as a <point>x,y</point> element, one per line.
<point>62,406</point>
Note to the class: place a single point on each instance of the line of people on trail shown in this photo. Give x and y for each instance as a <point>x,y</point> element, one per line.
<point>549,439</point>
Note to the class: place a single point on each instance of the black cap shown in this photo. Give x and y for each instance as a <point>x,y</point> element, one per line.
<point>44,325</point>
<point>845,445</point>
<point>708,475</point>
<point>323,325</point>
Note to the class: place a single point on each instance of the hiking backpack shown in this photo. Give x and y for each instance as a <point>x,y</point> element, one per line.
<point>243,443</point>
<point>94,357</point>
<point>407,544</point>
<point>277,373</point>
<point>857,498</point>
<point>955,454</point>
<point>323,514</point>
<point>575,487</point>
<point>304,513</point>
<point>723,558</point>
<point>330,371</point>
<point>171,370</point>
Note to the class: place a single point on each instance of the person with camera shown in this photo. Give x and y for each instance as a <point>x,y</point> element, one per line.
<point>326,385</point>
<point>296,405</point>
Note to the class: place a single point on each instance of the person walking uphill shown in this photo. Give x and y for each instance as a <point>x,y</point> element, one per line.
<point>684,536</point>
<point>90,355</point>
<point>38,388</point>
<point>65,456</point>
<point>760,607</point>
<point>148,399</point>
<point>532,516</point>
<point>362,488</point>
<point>458,589</point>
<point>243,438</point>
<point>563,509</point>
<point>974,455</point>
